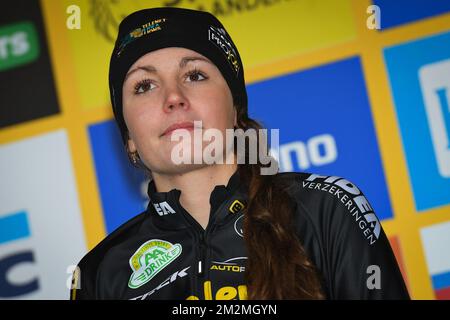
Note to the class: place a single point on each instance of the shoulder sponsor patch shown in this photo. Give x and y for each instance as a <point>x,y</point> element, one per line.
<point>151,257</point>
<point>353,199</point>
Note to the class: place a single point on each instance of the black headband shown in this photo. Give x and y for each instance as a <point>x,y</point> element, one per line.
<point>152,29</point>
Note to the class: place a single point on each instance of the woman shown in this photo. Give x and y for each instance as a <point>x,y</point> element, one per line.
<point>221,230</point>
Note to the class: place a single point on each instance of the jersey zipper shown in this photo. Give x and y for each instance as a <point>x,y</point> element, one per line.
<point>203,240</point>
<point>202,236</point>
<point>202,255</point>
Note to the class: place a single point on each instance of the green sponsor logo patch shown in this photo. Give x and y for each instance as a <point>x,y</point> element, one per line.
<point>18,45</point>
<point>151,257</point>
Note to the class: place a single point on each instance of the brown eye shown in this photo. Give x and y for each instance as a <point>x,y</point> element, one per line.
<point>143,86</point>
<point>195,76</point>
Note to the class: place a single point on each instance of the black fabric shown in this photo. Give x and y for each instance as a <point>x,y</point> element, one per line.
<point>152,29</point>
<point>333,220</point>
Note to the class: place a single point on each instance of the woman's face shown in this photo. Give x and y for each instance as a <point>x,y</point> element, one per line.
<point>171,86</point>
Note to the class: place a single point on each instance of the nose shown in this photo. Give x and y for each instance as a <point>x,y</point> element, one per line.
<point>175,99</point>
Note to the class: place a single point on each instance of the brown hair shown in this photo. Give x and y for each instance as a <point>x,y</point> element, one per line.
<point>277,264</point>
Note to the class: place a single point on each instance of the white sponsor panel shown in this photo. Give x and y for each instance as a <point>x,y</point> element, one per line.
<point>436,240</point>
<point>38,179</point>
<point>435,85</point>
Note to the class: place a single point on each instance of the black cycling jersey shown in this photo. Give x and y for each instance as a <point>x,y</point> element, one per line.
<point>164,253</point>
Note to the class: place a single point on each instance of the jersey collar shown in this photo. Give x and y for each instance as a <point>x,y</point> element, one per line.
<point>168,213</point>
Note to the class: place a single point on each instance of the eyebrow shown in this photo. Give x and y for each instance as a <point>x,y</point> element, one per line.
<point>152,69</point>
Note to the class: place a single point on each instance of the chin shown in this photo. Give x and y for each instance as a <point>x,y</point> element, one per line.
<point>170,168</point>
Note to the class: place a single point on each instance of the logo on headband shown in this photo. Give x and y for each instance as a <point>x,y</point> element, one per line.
<point>147,28</point>
<point>219,37</point>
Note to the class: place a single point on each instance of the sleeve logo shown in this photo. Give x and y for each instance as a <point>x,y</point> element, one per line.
<point>352,198</point>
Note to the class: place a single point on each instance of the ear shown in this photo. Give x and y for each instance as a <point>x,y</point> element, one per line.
<point>235,116</point>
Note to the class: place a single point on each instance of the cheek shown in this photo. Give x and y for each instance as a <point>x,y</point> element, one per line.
<point>218,110</point>
<point>141,122</point>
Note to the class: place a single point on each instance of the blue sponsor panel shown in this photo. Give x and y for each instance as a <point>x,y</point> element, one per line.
<point>121,185</point>
<point>419,75</point>
<point>441,281</point>
<point>326,125</point>
<point>15,227</point>
<point>41,233</point>
<point>398,12</point>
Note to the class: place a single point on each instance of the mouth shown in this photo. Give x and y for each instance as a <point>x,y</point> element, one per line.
<point>188,125</point>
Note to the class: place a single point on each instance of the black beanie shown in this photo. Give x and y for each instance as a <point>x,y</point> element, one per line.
<point>152,29</point>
